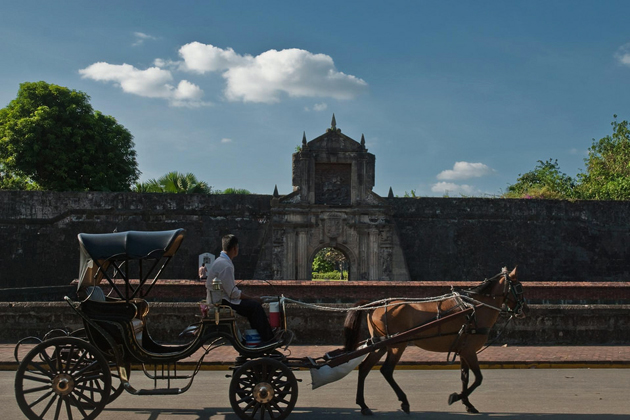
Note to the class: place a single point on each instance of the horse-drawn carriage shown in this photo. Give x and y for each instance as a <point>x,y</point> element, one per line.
<point>76,375</point>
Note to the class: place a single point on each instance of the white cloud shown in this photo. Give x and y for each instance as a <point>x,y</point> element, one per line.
<point>623,54</point>
<point>151,83</point>
<point>454,189</point>
<point>295,72</point>
<point>202,58</point>
<point>317,107</point>
<point>140,38</point>
<point>161,63</point>
<point>264,78</point>
<point>574,151</point>
<point>226,140</point>
<point>465,170</point>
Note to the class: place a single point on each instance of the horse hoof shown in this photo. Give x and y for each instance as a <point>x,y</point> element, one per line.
<point>405,408</point>
<point>472,410</point>
<point>453,398</point>
<point>366,411</point>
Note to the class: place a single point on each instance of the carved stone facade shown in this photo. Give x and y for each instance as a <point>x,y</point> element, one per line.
<point>333,206</point>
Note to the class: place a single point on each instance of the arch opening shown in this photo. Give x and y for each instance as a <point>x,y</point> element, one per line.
<point>330,263</point>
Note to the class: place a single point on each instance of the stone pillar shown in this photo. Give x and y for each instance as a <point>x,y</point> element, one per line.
<point>278,257</point>
<point>363,257</point>
<point>373,260</point>
<point>302,255</point>
<point>289,273</point>
<point>386,262</point>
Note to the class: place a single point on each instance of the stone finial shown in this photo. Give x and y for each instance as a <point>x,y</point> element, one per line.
<point>304,139</point>
<point>391,193</point>
<point>333,123</point>
<point>275,192</point>
<point>362,141</point>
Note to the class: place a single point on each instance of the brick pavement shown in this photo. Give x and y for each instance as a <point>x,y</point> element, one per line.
<point>415,358</point>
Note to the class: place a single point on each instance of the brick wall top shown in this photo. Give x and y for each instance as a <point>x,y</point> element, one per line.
<point>353,291</point>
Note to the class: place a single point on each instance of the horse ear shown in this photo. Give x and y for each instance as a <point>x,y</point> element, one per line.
<point>513,273</point>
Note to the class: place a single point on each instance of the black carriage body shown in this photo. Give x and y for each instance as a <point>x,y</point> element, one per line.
<point>115,337</point>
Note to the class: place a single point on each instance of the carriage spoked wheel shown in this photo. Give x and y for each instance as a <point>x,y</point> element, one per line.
<point>263,389</point>
<point>63,378</point>
<point>117,385</point>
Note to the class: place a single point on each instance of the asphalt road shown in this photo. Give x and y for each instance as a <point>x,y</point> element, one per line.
<point>548,394</point>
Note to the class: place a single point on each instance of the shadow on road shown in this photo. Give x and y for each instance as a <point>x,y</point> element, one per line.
<point>305,413</point>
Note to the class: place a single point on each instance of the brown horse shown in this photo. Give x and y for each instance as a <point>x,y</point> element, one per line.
<point>463,335</point>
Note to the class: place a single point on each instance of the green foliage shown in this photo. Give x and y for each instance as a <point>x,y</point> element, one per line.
<point>321,264</point>
<point>607,175</point>
<point>174,183</point>
<point>329,264</point>
<point>234,191</point>
<point>411,194</point>
<point>331,275</point>
<point>545,181</point>
<point>52,139</point>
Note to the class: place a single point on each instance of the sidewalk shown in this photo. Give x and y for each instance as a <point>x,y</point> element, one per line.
<point>495,357</point>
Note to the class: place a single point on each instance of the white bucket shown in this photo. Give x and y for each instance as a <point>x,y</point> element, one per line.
<point>252,338</point>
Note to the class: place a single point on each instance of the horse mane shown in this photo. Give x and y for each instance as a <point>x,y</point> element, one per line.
<point>481,288</point>
<point>351,327</point>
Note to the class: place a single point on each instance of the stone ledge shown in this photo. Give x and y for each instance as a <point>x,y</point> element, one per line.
<point>545,325</point>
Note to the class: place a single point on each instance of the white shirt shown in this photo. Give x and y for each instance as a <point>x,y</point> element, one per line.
<point>223,269</point>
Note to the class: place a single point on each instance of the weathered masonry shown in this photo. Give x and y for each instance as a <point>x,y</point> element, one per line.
<point>332,205</point>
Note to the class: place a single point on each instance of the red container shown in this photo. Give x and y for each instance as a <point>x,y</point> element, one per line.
<point>274,314</point>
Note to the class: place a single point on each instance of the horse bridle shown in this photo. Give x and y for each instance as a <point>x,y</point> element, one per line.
<point>516,290</point>
<point>510,288</point>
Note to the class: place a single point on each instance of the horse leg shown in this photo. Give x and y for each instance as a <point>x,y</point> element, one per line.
<point>469,361</point>
<point>387,370</point>
<point>364,369</point>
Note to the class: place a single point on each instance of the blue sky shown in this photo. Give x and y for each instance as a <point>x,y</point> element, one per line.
<point>452,96</point>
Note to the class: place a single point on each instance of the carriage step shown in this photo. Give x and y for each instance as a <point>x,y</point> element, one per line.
<point>160,391</point>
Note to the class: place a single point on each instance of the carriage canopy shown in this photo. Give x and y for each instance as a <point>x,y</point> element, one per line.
<point>100,250</point>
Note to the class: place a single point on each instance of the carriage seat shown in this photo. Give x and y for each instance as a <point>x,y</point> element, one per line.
<point>226,313</point>
<point>96,294</point>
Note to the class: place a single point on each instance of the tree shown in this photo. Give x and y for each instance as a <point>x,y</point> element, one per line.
<point>329,260</point>
<point>234,191</point>
<point>607,175</point>
<point>321,264</point>
<point>545,181</point>
<point>52,139</point>
<point>175,183</point>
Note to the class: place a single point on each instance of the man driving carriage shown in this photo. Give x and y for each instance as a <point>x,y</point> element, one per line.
<point>245,305</point>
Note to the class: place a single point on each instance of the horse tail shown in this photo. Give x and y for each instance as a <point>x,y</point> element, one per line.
<point>352,327</point>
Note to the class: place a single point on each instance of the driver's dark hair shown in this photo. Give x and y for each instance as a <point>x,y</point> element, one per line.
<point>229,242</point>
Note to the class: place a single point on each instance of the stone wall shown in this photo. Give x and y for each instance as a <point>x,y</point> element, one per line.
<point>39,230</point>
<point>545,324</point>
<point>442,239</point>
<point>466,239</point>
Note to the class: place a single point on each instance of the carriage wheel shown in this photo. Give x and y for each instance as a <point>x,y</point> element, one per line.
<point>117,385</point>
<point>63,378</point>
<point>263,388</point>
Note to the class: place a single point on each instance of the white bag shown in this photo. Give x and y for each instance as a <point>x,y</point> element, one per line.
<point>325,374</point>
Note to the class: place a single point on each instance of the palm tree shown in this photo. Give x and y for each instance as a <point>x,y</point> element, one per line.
<point>175,183</point>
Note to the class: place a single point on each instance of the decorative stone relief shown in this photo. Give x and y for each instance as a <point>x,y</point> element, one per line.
<point>333,205</point>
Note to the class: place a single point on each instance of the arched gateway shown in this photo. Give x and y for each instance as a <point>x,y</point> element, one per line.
<point>332,205</point>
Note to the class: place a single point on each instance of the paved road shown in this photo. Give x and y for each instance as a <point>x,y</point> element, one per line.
<point>541,394</point>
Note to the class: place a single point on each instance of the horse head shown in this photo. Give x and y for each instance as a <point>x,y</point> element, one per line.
<point>513,294</point>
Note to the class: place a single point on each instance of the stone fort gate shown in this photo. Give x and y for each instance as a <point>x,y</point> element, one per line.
<point>333,205</point>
